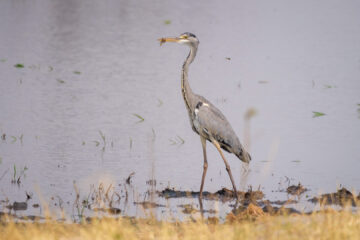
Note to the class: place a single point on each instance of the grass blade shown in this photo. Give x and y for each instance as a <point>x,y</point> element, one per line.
<point>139,117</point>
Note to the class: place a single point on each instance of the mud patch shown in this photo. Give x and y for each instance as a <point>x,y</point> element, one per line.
<point>223,195</point>
<point>296,189</point>
<point>110,210</point>
<point>342,197</point>
<point>250,212</point>
<point>147,204</point>
<point>18,206</point>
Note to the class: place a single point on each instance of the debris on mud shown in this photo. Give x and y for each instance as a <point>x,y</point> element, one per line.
<point>252,211</point>
<point>296,189</point>
<point>17,206</point>
<point>279,202</point>
<point>147,204</point>
<point>273,210</point>
<point>151,182</point>
<point>224,195</point>
<point>188,209</point>
<point>31,218</point>
<point>110,210</point>
<point>128,179</point>
<point>342,197</point>
<point>249,212</point>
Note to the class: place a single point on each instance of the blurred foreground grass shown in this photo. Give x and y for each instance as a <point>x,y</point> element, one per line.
<point>324,225</point>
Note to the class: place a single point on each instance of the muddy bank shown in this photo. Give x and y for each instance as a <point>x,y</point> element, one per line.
<point>223,195</point>
<point>104,201</point>
<point>342,197</point>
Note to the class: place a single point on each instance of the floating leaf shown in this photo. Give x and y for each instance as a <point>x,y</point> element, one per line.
<point>318,114</point>
<point>296,161</point>
<point>131,142</point>
<point>182,141</point>
<point>97,143</point>
<point>3,60</point>
<point>329,86</point>
<point>172,141</point>
<point>13,139</point>
<point>77,72</point>
<point>160,102</point>
<point>83,143</point>
<point>19,65</point>
<point>21,138</point>
<point>228,58</point>
<point>139,117</point>
<point>60,81</point>
<point>177,140</point>
<point>262,82</point>
<point>0,160</point>
<point>51,68</point>
<point>167,22</point>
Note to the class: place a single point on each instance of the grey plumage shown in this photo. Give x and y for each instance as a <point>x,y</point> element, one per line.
<point>205,119</point>
<point>211,123</point>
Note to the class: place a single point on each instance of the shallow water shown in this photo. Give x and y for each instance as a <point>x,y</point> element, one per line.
<point>90,66</point>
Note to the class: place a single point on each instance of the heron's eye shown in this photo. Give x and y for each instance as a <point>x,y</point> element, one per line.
<point>184,36</point>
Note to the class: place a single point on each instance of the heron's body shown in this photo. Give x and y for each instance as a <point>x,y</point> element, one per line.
<point>205,119</point>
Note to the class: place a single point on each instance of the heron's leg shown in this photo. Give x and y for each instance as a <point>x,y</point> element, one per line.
<point>203,143</point>
<point>217,145</point>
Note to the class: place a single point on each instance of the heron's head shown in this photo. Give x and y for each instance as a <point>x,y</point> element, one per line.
<point>185,38</point>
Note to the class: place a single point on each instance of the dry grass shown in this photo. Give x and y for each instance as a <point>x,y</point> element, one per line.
<point>325,225</point>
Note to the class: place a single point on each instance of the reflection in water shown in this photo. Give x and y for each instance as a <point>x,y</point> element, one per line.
<point>89,66</point>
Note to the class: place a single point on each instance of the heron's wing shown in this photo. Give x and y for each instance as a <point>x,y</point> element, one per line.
<point>211,122</point>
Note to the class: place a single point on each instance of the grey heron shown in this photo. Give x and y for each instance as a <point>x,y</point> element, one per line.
<point>205,119</point>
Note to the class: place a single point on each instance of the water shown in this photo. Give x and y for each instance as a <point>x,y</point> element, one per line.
<point>90,66</point>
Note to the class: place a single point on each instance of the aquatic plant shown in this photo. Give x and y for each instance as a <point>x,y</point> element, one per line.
<point>17,178</point>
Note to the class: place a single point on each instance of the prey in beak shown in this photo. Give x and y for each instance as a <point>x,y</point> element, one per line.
<point>168,39</point>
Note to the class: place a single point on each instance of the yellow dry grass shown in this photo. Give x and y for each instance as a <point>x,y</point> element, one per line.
<point>325,225</point>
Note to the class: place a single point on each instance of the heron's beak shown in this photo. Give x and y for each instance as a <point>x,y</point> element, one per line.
<point>169,39</point>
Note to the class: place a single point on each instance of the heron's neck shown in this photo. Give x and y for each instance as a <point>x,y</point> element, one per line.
<point>185,87</point>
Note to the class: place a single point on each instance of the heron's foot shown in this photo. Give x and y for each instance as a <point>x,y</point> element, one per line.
<point>236,196</point>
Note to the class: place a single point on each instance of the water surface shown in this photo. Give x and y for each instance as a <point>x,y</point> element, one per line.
<point>90,66</point>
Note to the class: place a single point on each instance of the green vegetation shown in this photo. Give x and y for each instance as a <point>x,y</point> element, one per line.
<point>13,139</point>
<point>17,178</point>
<point>318,114</point>
<point>60,80</point>
<point>167,22</point>
<point>19,65</point>
<point>139,117</point>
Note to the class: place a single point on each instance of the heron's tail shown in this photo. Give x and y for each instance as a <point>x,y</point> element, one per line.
<point>243,155</point>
